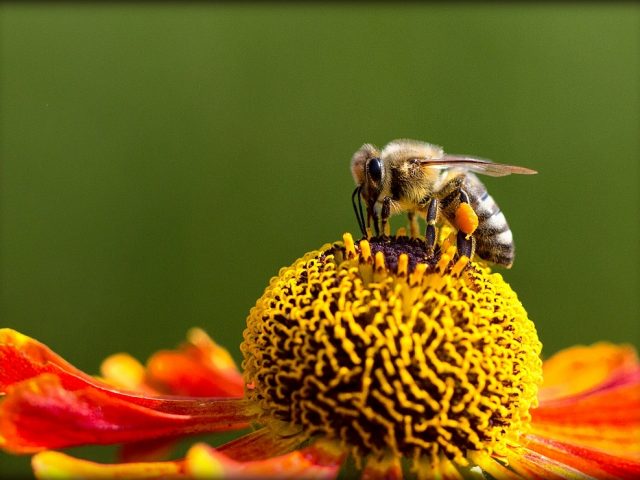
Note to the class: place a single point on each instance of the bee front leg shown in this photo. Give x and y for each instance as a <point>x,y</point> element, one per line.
<point>385,213</point>
<point>372,215</point>
<point>431,232</point>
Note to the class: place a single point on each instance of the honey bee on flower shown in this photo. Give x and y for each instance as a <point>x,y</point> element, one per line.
<point>420,179</point>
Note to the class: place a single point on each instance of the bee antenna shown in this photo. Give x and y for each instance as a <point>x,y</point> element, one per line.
<point>358,209</point>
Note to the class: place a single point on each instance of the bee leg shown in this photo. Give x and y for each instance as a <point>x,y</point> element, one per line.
<point>372,215</point>
<point>465,244</point>
<point>385,213</point>
<point>430,233</point>
<point>466,222</point>
<point>413,224</point>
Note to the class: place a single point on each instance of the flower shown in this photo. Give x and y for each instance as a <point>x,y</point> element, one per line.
<point>378,351</point>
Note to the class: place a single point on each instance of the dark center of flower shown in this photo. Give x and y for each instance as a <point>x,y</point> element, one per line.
<point>391,350</point>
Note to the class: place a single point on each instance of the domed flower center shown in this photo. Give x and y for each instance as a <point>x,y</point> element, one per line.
<point>393,351</point>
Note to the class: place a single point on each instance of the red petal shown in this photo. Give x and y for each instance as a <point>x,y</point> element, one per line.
<point>591,462</point>
<point>23,357</point>
<point>533,466</point>
<point>198,368</point>
<point>313,462</point>
<point>263,443</point>
<point>55,411</point>
<point>605,417</point>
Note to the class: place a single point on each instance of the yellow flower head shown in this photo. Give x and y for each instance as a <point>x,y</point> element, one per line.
<point>393,352</point>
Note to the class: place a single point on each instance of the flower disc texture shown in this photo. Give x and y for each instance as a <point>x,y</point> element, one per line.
<point>393,353</point>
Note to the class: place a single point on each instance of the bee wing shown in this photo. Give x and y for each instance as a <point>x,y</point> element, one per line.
<point>474,164</point>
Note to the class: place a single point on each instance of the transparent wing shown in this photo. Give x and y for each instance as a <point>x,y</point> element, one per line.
<point>474,164</point>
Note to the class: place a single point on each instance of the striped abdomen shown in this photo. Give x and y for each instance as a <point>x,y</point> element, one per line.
<point>494,241</point>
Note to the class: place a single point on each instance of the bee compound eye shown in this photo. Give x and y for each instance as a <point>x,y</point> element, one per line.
<point>374,169</point>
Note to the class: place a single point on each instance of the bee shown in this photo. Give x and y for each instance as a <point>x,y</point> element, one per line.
<point>419,178</point>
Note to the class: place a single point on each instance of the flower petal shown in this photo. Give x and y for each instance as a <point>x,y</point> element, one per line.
<point>263,443</point>
<point>581,369</point>
<point>312,462</point>
<point>200,368</point>
<point>588,461</point>
<point>22,357</point>
<point>153,450</point>
<point>56,465</point>
<point>534,466</point>
<point>123,371</point>
<point>50,411</point>
<point>605,417</point>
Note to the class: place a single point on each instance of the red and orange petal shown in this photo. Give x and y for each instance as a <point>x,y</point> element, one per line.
<point>23,357</point>
<point>583,368</point>
<point>45,413</point>
<point>202,461</point>
<point>56,465</point>
<point>198,368</point>
<point>591,423</point>
<point>49,403</point>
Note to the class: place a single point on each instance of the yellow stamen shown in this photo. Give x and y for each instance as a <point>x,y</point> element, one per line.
<point>365,250</point>
<point>460,265</point>
<point>403,264</point>
<point>379,262</point>
<point>349,245</point>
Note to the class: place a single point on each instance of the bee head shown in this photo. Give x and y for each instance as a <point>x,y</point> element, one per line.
<point>367,171</point>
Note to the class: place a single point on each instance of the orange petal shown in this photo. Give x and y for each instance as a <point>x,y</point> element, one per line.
<point>580,369</point>
<point>50,411</point>
<point>313,462</point>
<point>153,450</point>
<point>258,445</point>
<point>55,465</point>
<point>123,371</point>
<point>605,417</point>
<point>200,367</point>
<point>533,466</point>
<point>23,357</point>
<point>588,461</point>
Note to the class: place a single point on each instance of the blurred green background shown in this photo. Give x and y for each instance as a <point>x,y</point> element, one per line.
<point>160,162</point>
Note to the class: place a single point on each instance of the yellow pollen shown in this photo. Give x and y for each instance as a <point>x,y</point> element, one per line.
<point>393,353</point>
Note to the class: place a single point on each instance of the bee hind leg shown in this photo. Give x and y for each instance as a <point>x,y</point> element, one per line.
<point>466,222</point>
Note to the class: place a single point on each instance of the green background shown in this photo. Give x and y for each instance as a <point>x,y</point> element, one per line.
<point>160,162</point>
